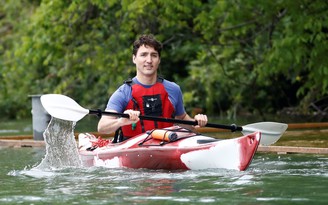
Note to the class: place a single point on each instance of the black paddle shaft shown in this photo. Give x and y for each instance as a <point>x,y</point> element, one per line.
<point>232,127</point>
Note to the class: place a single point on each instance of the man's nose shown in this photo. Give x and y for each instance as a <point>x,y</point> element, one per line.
<point>149,59</point>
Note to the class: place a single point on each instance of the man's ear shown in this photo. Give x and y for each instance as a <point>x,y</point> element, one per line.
<point>133,58</point>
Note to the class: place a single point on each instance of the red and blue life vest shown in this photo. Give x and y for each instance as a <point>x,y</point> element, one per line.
<point>153,101</point>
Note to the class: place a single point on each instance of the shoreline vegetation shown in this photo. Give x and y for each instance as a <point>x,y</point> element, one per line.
<point>228,57</point>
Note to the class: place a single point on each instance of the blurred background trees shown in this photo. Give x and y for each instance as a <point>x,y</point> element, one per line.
<point>229,57</point>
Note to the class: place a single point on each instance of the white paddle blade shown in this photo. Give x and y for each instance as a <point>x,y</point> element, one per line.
<point>270,131</point>
<point>63,107</point>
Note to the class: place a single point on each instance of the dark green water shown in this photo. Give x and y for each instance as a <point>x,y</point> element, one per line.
<point>271,179</point>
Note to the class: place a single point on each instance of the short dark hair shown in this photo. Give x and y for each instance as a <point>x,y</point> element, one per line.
<point>147,40</point>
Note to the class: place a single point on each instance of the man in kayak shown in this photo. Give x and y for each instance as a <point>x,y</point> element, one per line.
<point>146,94</point>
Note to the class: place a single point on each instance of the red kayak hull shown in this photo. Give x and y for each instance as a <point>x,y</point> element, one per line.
<point>192,152</point>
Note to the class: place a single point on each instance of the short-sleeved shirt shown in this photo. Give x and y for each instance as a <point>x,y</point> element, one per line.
<point>121,97</point>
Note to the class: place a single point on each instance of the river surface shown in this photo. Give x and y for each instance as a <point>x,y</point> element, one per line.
<point>270,179</point>
<point>54,175</point>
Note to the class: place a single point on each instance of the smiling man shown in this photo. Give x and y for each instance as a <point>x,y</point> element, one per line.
<point>145,94</point>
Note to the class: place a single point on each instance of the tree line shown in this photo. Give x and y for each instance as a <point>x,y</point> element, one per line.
<point>229,56</point>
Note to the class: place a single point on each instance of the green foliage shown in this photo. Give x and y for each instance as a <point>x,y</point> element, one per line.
<point>270,53</point>
<point>228,56</point>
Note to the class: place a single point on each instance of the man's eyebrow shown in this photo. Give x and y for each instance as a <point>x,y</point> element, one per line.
<point>146,52</point>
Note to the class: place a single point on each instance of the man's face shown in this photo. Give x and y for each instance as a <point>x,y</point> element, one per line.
<point>146,60</point>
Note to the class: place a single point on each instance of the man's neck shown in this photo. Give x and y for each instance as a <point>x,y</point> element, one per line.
<point>147,80</point>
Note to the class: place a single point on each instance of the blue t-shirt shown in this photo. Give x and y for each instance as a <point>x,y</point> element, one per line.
<point>121,97</point>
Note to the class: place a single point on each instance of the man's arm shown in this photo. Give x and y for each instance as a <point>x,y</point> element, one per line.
<point>109,124</point>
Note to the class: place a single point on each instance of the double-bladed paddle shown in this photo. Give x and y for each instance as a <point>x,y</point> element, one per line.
<point>65,108</point>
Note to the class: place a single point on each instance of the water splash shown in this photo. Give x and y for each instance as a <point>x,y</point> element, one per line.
<point>61,147</point>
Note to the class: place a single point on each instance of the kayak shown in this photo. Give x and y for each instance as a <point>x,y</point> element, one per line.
<point>172,148</point>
